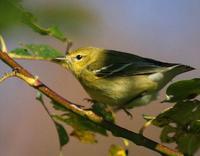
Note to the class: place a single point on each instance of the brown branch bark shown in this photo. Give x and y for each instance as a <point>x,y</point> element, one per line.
<point>116,130</point>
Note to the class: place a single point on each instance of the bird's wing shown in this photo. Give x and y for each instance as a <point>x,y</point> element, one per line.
<point>113,63</point>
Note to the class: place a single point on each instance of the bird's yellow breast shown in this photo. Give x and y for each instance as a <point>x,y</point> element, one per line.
<point>118,90</point>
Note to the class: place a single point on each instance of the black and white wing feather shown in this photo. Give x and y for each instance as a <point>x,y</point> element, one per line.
<point>114,63</point>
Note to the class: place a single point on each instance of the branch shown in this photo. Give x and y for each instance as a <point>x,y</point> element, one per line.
<point>116,130</point>
<point>7,75</point>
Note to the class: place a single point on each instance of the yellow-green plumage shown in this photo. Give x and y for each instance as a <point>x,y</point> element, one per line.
<point>117,79</point>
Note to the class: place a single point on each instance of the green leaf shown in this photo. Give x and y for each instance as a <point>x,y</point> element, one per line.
<point>183,113</point>
<point>189,143</point>
<point>63,136</point>
<point>55,32</point>
<point>84,136</point>
<point>29,19</point>
<point>81,123</point>
<point>83,129</point>
<point>183,90</point>
<point>10,14</point>
<point>116,150</point>
<point>181,124</point>
<point>14,12</point>
<point>35,52</point>
<point>168,134</point>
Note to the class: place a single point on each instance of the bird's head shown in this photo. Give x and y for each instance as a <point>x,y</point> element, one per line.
<point>79,59</point>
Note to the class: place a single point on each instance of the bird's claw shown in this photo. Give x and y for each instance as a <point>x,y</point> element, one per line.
<point>79,106</point>
<point>128,113</point>
<point>91,101</point>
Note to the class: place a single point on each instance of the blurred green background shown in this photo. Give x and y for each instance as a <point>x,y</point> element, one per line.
<point>163,30</point>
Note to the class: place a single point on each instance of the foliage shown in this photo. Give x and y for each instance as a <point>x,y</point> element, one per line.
<point>84,130</point>
<point>62,134</point>
<point>32,22</point>
<point>116,150</point>
<point>9,13</point>
<point>181,123</point>
<point>183,90</point>
<point>70,17</point>
<point>35,52</point>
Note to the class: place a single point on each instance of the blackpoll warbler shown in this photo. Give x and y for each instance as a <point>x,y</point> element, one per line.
<point>119,80</point>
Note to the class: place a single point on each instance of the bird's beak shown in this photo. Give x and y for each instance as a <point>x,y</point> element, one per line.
<point>63,61</point>
<point>59,60</point>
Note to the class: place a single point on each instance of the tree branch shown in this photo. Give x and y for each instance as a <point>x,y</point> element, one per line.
<point>116,130</point>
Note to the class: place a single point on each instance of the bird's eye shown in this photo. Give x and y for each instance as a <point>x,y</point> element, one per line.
<point>79,57</point>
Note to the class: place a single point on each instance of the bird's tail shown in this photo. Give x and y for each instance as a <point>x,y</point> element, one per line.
<point>179,69</point>
<point>172,72</point>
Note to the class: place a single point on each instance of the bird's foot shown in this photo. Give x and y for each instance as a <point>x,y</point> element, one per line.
<point>128,113</point>
<point>77,105</point>
<point>91,101</point>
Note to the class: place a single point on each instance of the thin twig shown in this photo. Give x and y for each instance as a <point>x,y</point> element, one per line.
<point>89,115</point>
<point>69,45</point>
<point>147,124</point>
<point>7,75</point>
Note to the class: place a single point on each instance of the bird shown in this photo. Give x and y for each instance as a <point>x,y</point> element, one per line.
<point>119,80</point>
